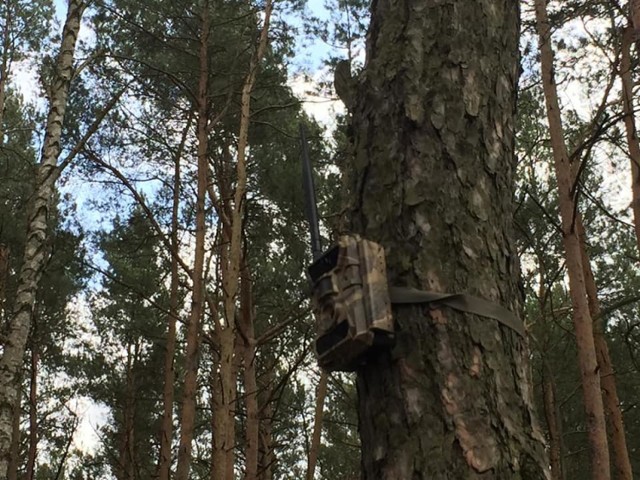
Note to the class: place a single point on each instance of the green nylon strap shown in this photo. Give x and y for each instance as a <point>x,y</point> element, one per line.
<point>458,301</point>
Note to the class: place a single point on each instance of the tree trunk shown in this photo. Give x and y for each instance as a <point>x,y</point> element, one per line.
<point>583,322</point>
<point>252,435</point>
<point>314,450</point>
<point>33,414</point>
<point>266,456</point>
<point>35,253</point>
<point>553,422</point>
<point>612,410</point>
<point>629,116</point>
<point>197,295</point>
<point>166,429</point>
<point>231,262</point>
<point>4,65</point>
<point>4,275</point>
<point>434,137</point>
<point>14,455</point>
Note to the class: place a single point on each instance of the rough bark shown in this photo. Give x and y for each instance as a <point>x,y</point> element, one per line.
<point>35,253</point>
<point>314,449</point>
<point>433,131</point>
<point>629,116</point>
<point>197,295</point>
<point>166,428</point>
<point>612,410</point>
<point>583,322</point>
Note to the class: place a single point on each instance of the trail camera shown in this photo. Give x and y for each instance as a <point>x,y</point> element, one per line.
<point>349,291</point>
<point>351,303</point>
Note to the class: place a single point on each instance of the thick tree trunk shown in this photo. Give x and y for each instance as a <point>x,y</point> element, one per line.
<point>583,322</point>
<point>188,416</point>
<point>314,449</point>
<point>434,137</point>
<point>166,429</point>
<point>35,253</point>
<point>612,410</point>
<point>629,116</point>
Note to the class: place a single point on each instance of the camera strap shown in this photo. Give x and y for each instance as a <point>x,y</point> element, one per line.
<point>458,301</point>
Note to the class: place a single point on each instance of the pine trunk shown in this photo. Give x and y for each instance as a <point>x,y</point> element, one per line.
<point>252,434</point>
<point>314,449</point>
<point>35,253</point>
<point>188,416</point>
<point>583,322</point>
<point>434,137</point>
<point>629,116</point>
<point>612,410</point>
<point>553,422</point>
<point>166,429</point>
<point>266,455</point>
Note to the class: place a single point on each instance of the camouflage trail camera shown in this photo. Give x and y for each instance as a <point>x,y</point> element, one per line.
<point>351,303</point>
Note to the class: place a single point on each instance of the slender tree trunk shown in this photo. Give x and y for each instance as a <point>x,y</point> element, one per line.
<point>553,422</point>
<point>4,275</point>
<point>249,374</point>
<point>166,429</point>
<point>612,410</point>
<point>629,116</point>
<point>35,252</point>
<point>33,414</point>
<point>314,450</point>
<point>266,455</point>
<point>4,64</point>
<point>433,127</point>
<point>231,260</point>
<point>15,460</point>
<point>127,457</point>
<point>197,297</point>
<point>583,322</point>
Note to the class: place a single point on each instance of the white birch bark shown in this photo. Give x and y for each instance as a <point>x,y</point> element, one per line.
<point>35,253</point>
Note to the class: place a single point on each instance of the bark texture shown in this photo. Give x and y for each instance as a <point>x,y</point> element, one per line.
<point>582,320</point>
<point>434,136</point>
<point>35,253</point>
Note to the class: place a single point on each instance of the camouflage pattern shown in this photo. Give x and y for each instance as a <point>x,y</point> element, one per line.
<point>351,302</point>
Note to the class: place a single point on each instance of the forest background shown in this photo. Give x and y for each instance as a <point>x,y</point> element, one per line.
<point>171,331</point>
